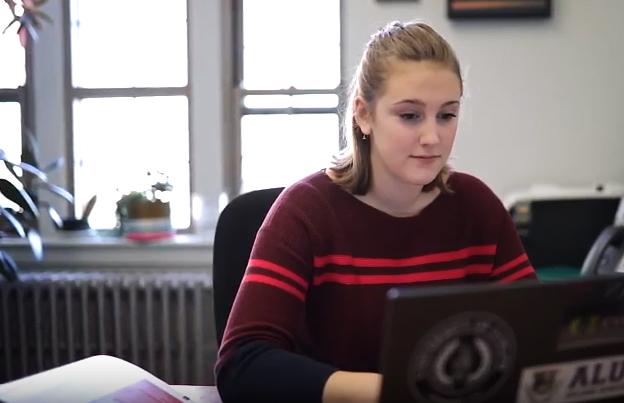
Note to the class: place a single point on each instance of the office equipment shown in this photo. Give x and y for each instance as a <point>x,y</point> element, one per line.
<point>159,321</point>
<point>234,236</point>
<point>558,225</point>
<point>556,342</point>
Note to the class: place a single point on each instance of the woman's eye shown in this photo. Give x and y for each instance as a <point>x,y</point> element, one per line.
<point>447,116</point>
<point>409,116</point>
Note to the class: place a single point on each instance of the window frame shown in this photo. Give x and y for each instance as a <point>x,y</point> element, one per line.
<point>239,93</point>
<point>73,93</point>
<point>24,96</point>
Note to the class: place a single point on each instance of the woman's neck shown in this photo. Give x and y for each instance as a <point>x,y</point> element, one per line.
<point>404,201</point>
<point>397,201</point>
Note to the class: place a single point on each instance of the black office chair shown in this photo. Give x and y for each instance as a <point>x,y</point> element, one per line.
<point>234,236</point>
<point>607,253</point>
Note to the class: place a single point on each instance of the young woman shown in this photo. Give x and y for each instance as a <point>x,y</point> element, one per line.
<point>306,323</point>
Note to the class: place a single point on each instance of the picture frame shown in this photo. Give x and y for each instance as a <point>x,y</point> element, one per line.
<point>469,9</point>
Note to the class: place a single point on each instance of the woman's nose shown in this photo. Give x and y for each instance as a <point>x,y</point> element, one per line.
<point>429,133</point>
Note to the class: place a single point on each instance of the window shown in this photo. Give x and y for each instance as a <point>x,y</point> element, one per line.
<point>130,103</point>
<point>12,80</point>
<point>289,80</point>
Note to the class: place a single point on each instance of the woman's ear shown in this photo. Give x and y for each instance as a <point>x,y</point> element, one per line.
<point>362,115</point>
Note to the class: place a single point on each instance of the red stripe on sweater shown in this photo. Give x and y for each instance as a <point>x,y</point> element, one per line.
<point>370,279</point>
<point>511,264</point>
<point>518,275</point>
<point>261,278</point>
<point>347,260</point>
<point>281,270</point>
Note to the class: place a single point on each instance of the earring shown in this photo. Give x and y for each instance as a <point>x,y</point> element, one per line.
<point>364,137</point>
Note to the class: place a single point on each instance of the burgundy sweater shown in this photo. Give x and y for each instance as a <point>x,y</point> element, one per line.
<point>312,299</point>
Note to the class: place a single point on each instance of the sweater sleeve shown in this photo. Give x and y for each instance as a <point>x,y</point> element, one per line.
<point>260,357</point>
<point>488,213</point>
<point>511,262</point>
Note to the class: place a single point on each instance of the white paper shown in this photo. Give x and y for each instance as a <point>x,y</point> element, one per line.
<point>82,381</point>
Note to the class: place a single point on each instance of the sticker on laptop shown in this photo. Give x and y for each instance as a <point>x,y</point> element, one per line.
<point>466,357</point>
<point>574,381</point>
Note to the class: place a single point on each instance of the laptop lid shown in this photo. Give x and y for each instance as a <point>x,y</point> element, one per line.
<point>526,343</point>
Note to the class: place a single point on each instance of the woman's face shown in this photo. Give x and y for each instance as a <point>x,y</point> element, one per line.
<point>412,123</point>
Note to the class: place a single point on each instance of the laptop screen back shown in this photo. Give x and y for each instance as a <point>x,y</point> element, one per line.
<point>527,343</point>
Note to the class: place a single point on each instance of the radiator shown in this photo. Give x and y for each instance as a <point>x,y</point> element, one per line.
<point>160,322</point>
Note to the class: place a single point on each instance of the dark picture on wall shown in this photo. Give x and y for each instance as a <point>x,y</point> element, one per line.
<point>462,9</point>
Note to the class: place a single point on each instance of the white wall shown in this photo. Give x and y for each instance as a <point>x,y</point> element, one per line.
<point>542,96</point>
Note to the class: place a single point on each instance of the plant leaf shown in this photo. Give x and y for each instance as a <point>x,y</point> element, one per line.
<point>26,167</point>
<point>41,15</point>
<point>56,217</point>
<point>89,207</point>
<point>18,196</point>
<point>11,5</point>
<point>35,243</point>
<point>14,222</point>
<point>53,166</point>
<point>8,267</point>
<point>32,153</point>
<point>15,19</point>
<point>57,190</point>
<point>11,167</point>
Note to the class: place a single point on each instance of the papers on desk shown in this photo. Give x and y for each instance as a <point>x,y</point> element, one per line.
<point>97,379</point>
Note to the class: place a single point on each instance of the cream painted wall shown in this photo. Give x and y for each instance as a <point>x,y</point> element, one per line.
<point>543,96</point>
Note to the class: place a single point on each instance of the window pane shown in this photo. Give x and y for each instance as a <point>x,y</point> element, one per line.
<point>11,129</point>
<point>11,141</point>
<point>291,43</point>
<point>118,140</point>
<point>291,101</point>
<point>120,43</point>
<point>280,149</point>
<point>12,71</point>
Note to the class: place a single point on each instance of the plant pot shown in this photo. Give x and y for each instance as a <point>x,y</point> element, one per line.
<point>147,220</point>
<point>149,209</point>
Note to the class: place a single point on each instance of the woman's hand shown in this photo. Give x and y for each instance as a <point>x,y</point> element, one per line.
<point>345,387</point>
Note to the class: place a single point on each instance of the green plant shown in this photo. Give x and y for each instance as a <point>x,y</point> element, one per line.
<point>28,15</point>
<point>22,218</point>
<point>129,206</point>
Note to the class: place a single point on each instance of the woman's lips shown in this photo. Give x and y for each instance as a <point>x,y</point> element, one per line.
<point>425,157</point>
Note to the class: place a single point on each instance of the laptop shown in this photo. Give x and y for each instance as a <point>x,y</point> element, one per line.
<point>554,342</point>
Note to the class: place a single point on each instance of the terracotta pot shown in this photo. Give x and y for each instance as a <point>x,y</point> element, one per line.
<point>149,209</point>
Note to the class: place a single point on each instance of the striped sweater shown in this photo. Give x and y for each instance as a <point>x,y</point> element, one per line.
<point>312,298</point>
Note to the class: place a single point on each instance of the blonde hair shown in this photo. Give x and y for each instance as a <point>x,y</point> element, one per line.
<point>412,41</point>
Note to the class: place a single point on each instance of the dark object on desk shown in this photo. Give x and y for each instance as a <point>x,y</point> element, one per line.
<point>607,254</point>
<point>560,232</point>
<point>464,9</point>
<point>523,343</point>
<point>234,236</point>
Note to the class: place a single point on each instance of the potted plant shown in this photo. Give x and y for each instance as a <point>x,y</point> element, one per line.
<point>146,215</point>
<point>21,219</point>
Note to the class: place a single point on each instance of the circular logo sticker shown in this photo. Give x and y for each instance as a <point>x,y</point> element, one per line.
<point>465,358</point>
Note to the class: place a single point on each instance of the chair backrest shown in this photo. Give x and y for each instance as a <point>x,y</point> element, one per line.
<point>607,253</point>
<point>234,236</point>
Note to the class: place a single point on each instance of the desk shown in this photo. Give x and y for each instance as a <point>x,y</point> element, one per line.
<point>101,379</point>
<point>199,394</point>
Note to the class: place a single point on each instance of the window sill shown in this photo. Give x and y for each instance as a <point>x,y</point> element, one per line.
<point>186,252</point>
